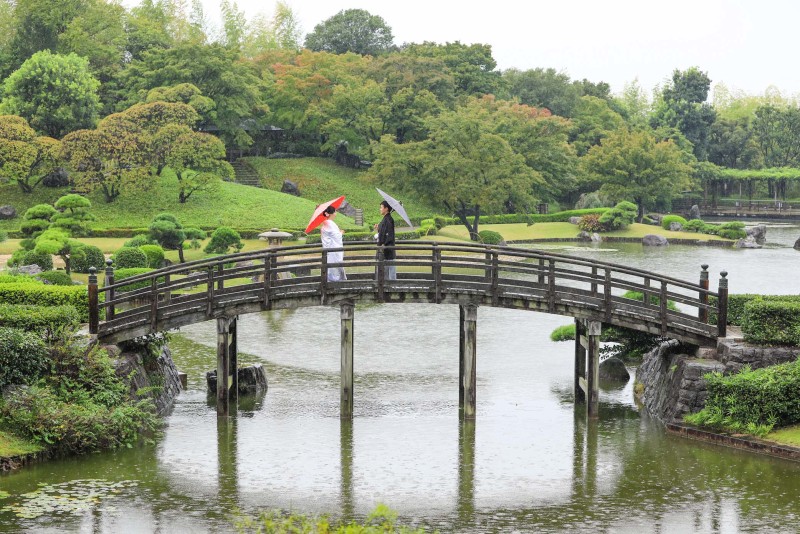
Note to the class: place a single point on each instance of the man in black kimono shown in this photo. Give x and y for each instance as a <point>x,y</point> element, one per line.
<point>385,237</point>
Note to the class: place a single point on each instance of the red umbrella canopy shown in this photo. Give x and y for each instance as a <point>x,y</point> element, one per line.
<point>318,217</point>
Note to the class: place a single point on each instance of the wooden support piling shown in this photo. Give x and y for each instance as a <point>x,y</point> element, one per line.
<point>233,357</point>
<point>722,305</point>
<point>593,329</point>
<point>461,315</point>
<point>580,362</point>
<point>223,366</point>
<point>346,398</point>
<point>469,358</point>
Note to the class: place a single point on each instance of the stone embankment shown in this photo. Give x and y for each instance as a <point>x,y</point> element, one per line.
<point>670,384</point>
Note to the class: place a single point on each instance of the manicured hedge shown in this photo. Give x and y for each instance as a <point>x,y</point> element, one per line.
<point>737,302</point>
<point>23,356</point>
<point>55,278</point>
<point>46,295</point>
<point>44,319</point>
<point>18,279</point>
<point>366,236</point>
<point>771,322</point>
<point>516,218</point>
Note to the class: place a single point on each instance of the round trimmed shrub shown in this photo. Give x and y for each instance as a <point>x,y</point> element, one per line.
<point>669,219</point>
<point>55,278</point>
<point>92,257</point>
<point>695,225</point>
<point>128,257</point>
<point>45,261</point>
<point>23,356</point>
<point>155,255</point>
<point>489,237</point>
<point>732,230</point>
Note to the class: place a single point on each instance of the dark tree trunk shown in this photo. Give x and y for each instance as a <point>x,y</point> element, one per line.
<point>180,253</point>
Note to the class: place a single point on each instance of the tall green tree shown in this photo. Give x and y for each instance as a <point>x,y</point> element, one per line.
<point>635,166</point>
<point>56,94</point>
<point>472,66</point>
<point>731,143</point>
<point>682,105</point>
<point>545,88</point>
<point>351,30</point>
<point>216,70</point>
<point>464,167</point>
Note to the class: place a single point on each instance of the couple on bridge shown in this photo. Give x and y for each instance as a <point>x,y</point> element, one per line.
<point>332,238</point>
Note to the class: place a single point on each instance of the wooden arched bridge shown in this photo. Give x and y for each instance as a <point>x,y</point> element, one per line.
<point>469,275</point>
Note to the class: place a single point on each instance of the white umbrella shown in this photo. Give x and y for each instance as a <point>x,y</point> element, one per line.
<point>397,206</point>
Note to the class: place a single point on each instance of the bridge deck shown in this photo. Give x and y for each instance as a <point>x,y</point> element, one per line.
<point>455,273</point>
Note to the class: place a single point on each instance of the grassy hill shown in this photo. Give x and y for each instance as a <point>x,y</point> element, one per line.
<point>234,205</point>
<point>321,179</point>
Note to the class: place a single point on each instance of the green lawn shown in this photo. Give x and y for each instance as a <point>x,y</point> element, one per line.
<point>11,445</point>
<point>234,205</point>
<point>321,179</point>
<point>521,231</point>
<point>789,435</point>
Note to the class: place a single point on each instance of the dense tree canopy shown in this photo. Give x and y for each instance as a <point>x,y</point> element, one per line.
<point>56,94</point>
<point>351,30</point>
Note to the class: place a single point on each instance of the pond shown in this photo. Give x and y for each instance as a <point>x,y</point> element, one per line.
<point>530,462</point>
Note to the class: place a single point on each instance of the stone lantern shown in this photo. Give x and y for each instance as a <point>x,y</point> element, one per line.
<point>274,237</point>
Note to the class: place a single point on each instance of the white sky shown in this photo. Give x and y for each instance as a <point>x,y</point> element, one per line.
<point>746,44</point>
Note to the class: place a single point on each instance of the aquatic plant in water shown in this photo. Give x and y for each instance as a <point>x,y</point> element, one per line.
<point>72,497</point>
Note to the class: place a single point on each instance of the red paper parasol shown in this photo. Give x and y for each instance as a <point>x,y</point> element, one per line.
<point>318,217</point>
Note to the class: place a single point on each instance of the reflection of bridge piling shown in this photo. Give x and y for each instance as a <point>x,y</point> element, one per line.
<point>469,275</point>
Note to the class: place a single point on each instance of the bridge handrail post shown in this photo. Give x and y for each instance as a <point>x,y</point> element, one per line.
<point>94,315</point>
<point>594,279</point>
<point>663,311</point>
<point>109,281</point>
<point>269,265</point>
<point>436,270</point>
<point>702,312</point>
<point>220,273</point>
<point>722,305</point>
<point>551,285</point>
<point>210,290</point>
<point>380,263</point>
<point>607,293</point>
<point>646,292</point>
<point>153,302</point>
<point>323,276</point>
<point>541,271</point>
<point>495,281</point>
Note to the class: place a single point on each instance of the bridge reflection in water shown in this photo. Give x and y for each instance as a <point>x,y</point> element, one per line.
<point>469,275</point>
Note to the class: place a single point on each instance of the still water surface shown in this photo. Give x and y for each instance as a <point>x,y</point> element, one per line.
<point>530,463</point>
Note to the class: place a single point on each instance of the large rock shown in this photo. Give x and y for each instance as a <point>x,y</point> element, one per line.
<point>747,242</point>
<point>347,209</point>
<point>694,212</point>
<point>758,232</point>
<point>586,236</point>
<point>251,379</point>
<point>596,238</point>
<point>7,212</point>
<point>29,269</point>
<point>290,188</point>
<point>797,244</point>
<point>574,220</point>
<point>613,369</point>
<point>675,226</point>
<point>57,178</point>
<point>653,240</point>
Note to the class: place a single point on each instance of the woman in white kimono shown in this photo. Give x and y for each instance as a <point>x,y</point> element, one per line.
<point>332,238</point>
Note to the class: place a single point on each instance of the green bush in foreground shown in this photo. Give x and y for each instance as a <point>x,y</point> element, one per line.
<point>155,255</point>
<point>126,258</point>
<point>752,401</point>
<point>42,259</point>
<point>46,295</point>
<point>23,356</point>
<point>82,406</point>
<point>92,257</point>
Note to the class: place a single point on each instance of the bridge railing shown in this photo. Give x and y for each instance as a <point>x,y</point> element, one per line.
<point>498,275</point>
